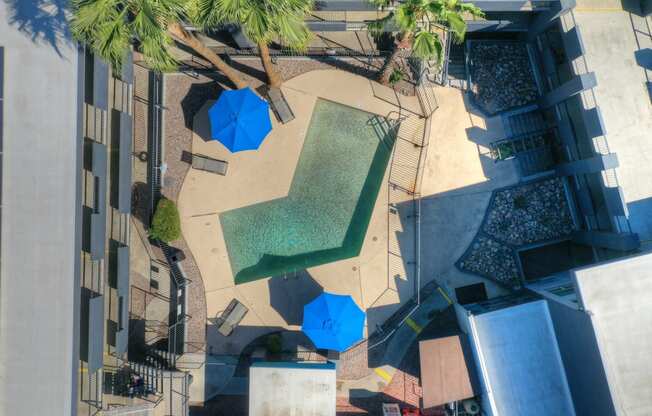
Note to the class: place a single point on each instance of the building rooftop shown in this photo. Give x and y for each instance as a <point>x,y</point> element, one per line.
<point>286,388</point>
<point>615,55</point>
<point>520,364</point>
<point>445,374</point>
<point>617,296</point>
<point>40,237</point>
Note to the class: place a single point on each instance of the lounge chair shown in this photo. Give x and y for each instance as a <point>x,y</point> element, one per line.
<point>231,317</point>
<point>209,165</point>
<point>280,105</point>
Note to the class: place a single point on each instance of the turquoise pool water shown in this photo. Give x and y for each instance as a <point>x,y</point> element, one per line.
<point>325,216</point>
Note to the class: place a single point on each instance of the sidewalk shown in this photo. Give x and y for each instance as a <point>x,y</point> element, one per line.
<point>211,375</point>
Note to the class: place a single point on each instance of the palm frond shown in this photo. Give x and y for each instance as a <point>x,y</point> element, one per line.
<point>211,13</point>
<point>405,17</point>
<point>457,25</point>
<point>145,19</point>
<point>434,8</point>
<point>427,45</point>
<point>156,51</point>
<point>377,27</point>
<point>471,9</point>
<point>88,15</point>
<point>292,30</point>
<point>111,40</point>
<point>257,24</point>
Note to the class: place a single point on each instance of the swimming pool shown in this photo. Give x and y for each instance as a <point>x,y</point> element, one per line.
<point>325,216</point>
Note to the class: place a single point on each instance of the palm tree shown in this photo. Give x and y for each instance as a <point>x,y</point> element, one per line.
<point>263,21</point>
<point>414,20</point>
<point>108,27</point>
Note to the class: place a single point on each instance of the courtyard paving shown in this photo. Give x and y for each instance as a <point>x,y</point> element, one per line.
<point>264,175</point>
<point>457,183</point>
<point>458,179</point>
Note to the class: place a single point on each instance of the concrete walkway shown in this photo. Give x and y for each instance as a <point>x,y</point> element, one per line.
<point>211,374</point>
<point>458,179</point>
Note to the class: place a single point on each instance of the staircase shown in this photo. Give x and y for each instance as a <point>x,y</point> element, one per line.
<point>117,381</point>
<point>532,150</point>
<point>153,356</point>
<point>168,391</point>
<point>457,75</point>
<point>523,121</point>
<point>160,359</point>
<point>529,140</point>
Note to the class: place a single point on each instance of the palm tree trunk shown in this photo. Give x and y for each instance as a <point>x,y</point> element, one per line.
<point>190,40</point>
<point>390,63</point>
<point>405,42</point>
<point>273,77</point>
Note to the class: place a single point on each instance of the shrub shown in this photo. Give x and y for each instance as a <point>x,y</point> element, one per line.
<point>166,225</point>
<point>396,76</point>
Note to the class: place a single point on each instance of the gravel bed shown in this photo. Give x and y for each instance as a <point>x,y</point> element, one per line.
<point>517,216</point>
<point>184,96</point>
<point>529,213</point>
<point>252,71</point>
<point>501,75</point>
<point>491,259</point>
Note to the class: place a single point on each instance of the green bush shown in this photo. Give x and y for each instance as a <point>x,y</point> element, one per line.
<point>166,225</point>
<point>396,76</point>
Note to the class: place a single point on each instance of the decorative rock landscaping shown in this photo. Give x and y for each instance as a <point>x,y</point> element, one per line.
<point>517,216</point>
<point>529,213</point>
<point>501,75</point>
<point>491,259</point>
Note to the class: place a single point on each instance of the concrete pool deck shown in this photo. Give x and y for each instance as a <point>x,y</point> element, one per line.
<point>267,174</point>
<point>456,185</point>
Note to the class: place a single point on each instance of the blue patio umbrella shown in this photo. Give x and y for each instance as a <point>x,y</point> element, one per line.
<point>240,120</point>
<point>333,322</point>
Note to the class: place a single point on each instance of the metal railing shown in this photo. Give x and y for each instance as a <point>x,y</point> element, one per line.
<point>426,93</point>
<point>326,51</point>
<point>402,314</point>
<point>157,170</point>
<point>157,167</point>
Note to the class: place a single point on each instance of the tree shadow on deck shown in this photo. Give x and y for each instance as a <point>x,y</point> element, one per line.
<point>44,21</point>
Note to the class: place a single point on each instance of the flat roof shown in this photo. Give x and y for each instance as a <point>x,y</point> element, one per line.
<point>445,375</point>
<point>613,52</point>
<point>520,361</point>
<point>281,389</point>
<point>39,296</point>
<point>618,297</point>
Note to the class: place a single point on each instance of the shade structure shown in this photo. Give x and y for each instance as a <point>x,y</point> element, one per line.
<point>240,120</point>
<point>333,322</point>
